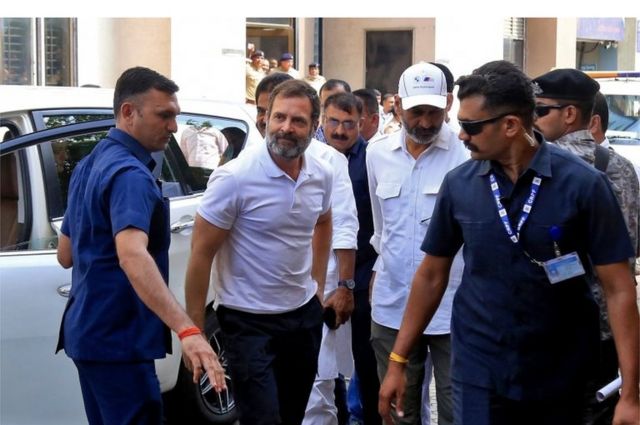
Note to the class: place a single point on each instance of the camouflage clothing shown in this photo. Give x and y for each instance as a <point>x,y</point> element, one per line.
<point>624,182</point>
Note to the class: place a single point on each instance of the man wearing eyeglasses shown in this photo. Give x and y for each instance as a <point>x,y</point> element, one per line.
<point>405,171</point>
<point>565,100</point>
<point>524,326</point>
<point>329,88</point>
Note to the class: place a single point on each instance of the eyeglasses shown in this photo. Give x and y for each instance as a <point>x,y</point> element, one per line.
<point>542,110</point>
<point>475,127</point>
<point>334,123</point>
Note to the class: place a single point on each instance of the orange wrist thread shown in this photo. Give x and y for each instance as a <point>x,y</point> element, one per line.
<point>193,330</point>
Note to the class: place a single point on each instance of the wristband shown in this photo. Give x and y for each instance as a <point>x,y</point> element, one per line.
<point>193,330</point>
<point>394,357</point>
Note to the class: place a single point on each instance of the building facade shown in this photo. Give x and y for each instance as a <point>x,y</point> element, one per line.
<point>206,56</point>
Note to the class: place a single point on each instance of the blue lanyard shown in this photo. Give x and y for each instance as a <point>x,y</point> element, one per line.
<point>526,208</point>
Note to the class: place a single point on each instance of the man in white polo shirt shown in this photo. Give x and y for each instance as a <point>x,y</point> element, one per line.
<point>405,170</point>
<point>335,350</point>
<point>265,221</point>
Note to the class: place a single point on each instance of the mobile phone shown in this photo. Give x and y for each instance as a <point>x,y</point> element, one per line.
<point>329,318</point>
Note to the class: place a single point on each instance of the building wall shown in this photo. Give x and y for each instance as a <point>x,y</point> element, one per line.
<point>464,54</point>
<point>344,44</point>
<point>208,57</point>
<point>540,45</point>
<point>304,45</point>
<point>108,46</point>
<point>627,48</point>
<point>566,42</point>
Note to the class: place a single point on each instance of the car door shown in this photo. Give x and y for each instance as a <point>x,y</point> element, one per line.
<point>36,385</point>
<point>36,170</point>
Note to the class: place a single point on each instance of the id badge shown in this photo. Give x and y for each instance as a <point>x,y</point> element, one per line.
<point>563,268</point>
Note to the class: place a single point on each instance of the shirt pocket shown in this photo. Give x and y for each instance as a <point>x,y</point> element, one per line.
<point>430,194</point>
<point>389,195</point>
<point>488,246</point>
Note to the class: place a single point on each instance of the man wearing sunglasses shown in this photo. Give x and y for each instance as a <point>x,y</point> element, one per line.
<point>565,101</point>
<point>406,170</point>
<point>537,223</point>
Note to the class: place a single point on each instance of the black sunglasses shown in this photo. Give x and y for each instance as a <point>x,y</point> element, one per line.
<point>475,127</point>
<point>542,110</point>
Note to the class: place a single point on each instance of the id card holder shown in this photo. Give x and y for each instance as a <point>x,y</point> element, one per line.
<point>563,267</point>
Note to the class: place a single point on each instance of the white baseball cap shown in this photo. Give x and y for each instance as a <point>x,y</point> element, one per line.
<point>422,84</point>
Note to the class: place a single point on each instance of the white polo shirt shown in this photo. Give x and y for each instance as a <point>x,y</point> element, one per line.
<point>403,195</point>
<point>264,265</point>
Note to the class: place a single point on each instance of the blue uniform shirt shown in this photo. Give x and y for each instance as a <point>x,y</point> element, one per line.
<point>365,255</point>
<point>113,189</point>
<point>512,330</point>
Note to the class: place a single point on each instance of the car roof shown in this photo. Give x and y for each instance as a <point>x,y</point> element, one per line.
<point>29,98</point>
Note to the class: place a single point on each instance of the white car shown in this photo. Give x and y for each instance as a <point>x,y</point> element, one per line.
<point>44,133</point>
<point>622,91</point>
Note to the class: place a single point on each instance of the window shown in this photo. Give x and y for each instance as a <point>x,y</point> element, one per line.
<point>513,41</point>
<point>204,143</point>
<point>274,36</point>
<point>12,217</point>
<point>38,51</point>
<point>388,54</point>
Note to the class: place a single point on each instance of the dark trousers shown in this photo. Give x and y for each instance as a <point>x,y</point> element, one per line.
<point>120,393</point>
<point>364,358</point>
<point>482,406</point>
<point>273,361</point>
<point>601,413</point>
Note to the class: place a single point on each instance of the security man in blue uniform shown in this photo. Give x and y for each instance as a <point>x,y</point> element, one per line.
<point>116,236</point>
<point>536,222</point>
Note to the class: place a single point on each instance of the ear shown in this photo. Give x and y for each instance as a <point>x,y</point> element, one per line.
<point>126,110</point>
<point>513,125</point>
<point>570,115</point>
<point>398,101</point>
<point>594,124</point>
<point>449,102</point>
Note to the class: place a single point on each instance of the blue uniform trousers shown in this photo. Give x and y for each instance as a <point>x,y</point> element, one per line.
<point>120,393</point>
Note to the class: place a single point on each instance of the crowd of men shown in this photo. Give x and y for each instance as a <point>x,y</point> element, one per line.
<point>498,259</point>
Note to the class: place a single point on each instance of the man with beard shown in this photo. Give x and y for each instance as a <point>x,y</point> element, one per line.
<point>265,223</point>
<point>405,172</point>
<point>338,296</point>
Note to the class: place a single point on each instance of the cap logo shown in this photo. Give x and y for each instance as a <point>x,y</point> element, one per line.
<point>537,90</point>
<point>425,78</point>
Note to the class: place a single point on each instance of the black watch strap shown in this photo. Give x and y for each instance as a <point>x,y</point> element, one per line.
<point>347,283</point>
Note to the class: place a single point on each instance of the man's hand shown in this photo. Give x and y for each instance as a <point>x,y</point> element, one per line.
<point>627,412</point>
<point>392,392</point>
<point>342,302</point>
<point>198,356</point>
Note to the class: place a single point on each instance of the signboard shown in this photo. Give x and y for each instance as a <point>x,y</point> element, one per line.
<point>600,29</point>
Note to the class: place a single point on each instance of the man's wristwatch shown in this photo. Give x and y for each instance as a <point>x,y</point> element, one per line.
<point>347,283</point>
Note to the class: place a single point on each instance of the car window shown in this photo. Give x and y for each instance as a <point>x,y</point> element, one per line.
<point>205,143</point>
<point>35,180</point>
<point>624,113</point>
<point>59,120</point>
<point>61,156</point>
<point>12,203</point>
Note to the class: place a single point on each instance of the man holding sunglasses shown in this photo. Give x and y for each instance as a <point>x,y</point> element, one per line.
<point>565,100</point>
<point>524,327</point>
<point>405,170</point>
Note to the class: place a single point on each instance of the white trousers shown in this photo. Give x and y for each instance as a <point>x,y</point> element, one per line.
<point>334,358</point>
<point>321,409</point>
